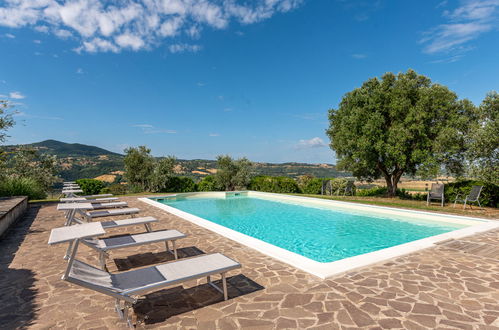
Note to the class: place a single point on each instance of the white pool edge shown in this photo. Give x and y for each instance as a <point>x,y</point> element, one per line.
<point>329,269</point>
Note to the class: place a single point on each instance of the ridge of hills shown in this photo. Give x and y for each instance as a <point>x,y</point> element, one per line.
<point>84,161</point>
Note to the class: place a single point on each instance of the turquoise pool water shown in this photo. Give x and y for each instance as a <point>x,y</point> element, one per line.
<point>318,233</point>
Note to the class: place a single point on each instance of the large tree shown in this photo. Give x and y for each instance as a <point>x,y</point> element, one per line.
<point>399,124</point>
<point>484,142</point>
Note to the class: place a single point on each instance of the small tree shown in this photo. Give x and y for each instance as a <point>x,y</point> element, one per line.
<point>399,124</point>
<point>233,174</point>
<point>6,120</point>
<point>139,167</point>
<point>163,172</point>
<point>29,163</point>
<point>483,151</point>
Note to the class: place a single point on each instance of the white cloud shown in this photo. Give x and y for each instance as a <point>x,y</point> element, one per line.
<point>80,71</point>
<point>26,115</point>
<point>213,134</point>
<point>10,35</point>
<point>359,56</point>
<point>150,129</point>
<point>16,95</point>
<point>37,41</point>
<point>181,48</point>
<point>315,142</point>
<point>465,23</point>
<point>112,26</point>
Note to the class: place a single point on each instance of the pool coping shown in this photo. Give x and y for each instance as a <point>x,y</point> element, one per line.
<point>325,270</point>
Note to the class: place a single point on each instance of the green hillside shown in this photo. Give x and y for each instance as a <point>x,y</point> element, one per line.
<point>83,161</point>
<point>62,149</point>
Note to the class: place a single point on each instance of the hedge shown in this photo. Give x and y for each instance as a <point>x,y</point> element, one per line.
<point>12,186</point>
<point>90,186</point>
<point>278,184</point>
<point>488,197</point>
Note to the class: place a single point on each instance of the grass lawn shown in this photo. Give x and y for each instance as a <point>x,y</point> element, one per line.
<point>488,212</point>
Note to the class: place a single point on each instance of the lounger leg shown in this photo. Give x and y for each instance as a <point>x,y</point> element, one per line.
<point>119,310</point>
<point>148,227</point>
<point>127,315</point>
<point>167,247</point>
<point>481,208</point>
<point>224,284</point>
<point>208,279</point>
<point>68,251</point>
<point>465,201</point>
<point>174,250</point>
<point>102,260</point>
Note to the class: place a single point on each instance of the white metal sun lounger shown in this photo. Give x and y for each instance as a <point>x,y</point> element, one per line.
<point>126,287</point>
<point>109,205</point>
<point>89,216</point>
<point>82,209</point>
<point>103,246</point>
<point>85,200</point>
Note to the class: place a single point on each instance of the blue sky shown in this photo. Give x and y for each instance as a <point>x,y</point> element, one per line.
<point>199,78</point>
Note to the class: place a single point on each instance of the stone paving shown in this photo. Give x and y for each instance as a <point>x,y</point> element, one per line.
<point>452,286</point>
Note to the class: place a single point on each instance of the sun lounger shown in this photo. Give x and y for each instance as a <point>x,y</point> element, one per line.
<point>109,205</point>
<point>103,246</point>
<point>89,216</point>
<point>96,196</point>
<point>85,200</point>
<point>126,287</point>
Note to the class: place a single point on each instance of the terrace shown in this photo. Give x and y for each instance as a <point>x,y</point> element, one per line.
<point>452,285</point>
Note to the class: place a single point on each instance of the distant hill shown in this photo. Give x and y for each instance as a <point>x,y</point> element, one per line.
<point>79,161</point>
<point>62,149</point>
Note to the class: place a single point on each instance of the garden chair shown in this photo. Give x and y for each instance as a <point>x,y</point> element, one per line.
<point>127,287</point>
<point>349,189</point>
<point>473,196</point>
<point>436,192</point>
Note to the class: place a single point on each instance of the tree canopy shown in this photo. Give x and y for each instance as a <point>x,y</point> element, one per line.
<point>483,150</point>
<point>232,174</point>
<point>400,124</point>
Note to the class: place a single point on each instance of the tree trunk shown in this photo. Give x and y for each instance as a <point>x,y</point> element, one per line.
<point>392,181</point>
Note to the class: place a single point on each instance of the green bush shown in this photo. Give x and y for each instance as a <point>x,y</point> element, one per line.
<point>207,184</point>
<point>312,186</point>
<point>12,186</point>
<point>90,186</point>
<point>180,184</point>
<point>274,184</point>
<point>115,189</point>
<point>488,197</point>
<point>376,191</point>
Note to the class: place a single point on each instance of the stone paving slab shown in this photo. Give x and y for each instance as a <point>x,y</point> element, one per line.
<point>454,285</point>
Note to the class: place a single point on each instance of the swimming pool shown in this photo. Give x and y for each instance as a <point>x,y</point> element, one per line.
<point>304,231</point>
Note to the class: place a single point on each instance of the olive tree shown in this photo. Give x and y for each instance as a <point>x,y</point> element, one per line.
<point>163,173</point>
<point>139,167</point>
<point>483,150</point>
<point>232,174</point>
<point>399,124</point>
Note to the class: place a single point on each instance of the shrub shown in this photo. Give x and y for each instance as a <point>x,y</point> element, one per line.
<point>274,184</point>
<point>207,184</point>
<point>376,191</point>
<point>115,189</point>
<point>15,186</point>
<point>180,184</point>
<point>488,197</point>
<point>90,186</point>
<point>312,186</point>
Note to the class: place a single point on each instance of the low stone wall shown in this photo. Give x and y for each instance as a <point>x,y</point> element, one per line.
<point>11,209</point>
